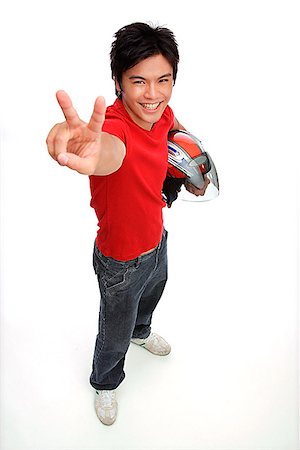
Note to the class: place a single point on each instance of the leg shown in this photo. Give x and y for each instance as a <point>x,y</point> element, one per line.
<point>116,318</point>
<point>152,292</point>
<point>121,286</point>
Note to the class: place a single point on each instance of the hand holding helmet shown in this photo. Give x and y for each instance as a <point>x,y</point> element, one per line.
<point>197,191</point>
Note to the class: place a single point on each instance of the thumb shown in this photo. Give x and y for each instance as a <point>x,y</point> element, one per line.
<point>84,166</point>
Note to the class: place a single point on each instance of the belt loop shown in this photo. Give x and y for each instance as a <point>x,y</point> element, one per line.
<point>157,251</point>
<point>159,245</point>
<point>137,262</point>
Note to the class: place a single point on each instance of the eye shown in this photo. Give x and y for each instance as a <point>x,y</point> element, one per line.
<point>164,80</point>
<point>138,82</point>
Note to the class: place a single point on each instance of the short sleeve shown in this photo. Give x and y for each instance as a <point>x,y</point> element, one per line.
<point>114,125</point>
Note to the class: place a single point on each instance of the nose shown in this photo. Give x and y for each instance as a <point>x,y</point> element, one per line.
<point>151,91</point>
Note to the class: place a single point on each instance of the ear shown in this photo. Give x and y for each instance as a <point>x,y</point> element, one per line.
<point>117,85</point>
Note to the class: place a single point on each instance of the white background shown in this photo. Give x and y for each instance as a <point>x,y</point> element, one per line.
<point>230,308</point>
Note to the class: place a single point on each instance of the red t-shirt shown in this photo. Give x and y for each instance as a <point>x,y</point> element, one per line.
<point>128,203</point>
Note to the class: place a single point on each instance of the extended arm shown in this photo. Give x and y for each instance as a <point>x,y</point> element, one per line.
<point>83,146</point>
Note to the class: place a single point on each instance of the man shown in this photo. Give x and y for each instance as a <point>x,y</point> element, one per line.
<point>124,151</point>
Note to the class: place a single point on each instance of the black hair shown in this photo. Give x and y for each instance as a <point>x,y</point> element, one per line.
<point>138,41</point>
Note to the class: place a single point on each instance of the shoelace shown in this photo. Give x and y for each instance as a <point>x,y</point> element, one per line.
<point>154,342</point>
<point>106,397</point>
<point>152,338</point>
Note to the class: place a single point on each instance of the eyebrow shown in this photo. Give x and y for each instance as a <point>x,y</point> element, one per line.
<point>134,77</point>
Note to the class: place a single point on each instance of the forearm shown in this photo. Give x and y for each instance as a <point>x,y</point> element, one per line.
<point>111,156</point>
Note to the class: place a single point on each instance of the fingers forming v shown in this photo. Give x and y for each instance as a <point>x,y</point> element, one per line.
<point>68,109</point>
<point>98,116</point>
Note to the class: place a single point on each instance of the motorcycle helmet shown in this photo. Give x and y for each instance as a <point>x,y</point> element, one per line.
<point>191,165</point>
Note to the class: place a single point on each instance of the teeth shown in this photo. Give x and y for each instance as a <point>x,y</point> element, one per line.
<point>150,105</point>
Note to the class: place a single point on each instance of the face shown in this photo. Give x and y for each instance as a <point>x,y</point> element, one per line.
<point>147,89</point>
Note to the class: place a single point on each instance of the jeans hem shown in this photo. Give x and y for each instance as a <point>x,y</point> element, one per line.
<point>106,387</point>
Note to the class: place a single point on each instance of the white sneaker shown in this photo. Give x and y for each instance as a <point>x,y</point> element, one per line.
<point>154,343</point>
<point>106,406</point>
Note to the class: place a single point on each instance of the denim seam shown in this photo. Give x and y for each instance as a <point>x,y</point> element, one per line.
<point>99,350</point>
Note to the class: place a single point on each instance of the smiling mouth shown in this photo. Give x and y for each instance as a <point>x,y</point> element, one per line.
<point>150,106</point>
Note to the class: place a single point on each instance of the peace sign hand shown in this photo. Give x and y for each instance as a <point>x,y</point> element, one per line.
<point>74,143</point>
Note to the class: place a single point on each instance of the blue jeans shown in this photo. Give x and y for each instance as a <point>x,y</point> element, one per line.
<point>130,291</point>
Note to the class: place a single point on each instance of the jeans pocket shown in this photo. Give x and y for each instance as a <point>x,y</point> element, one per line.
<point>117,278</point>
